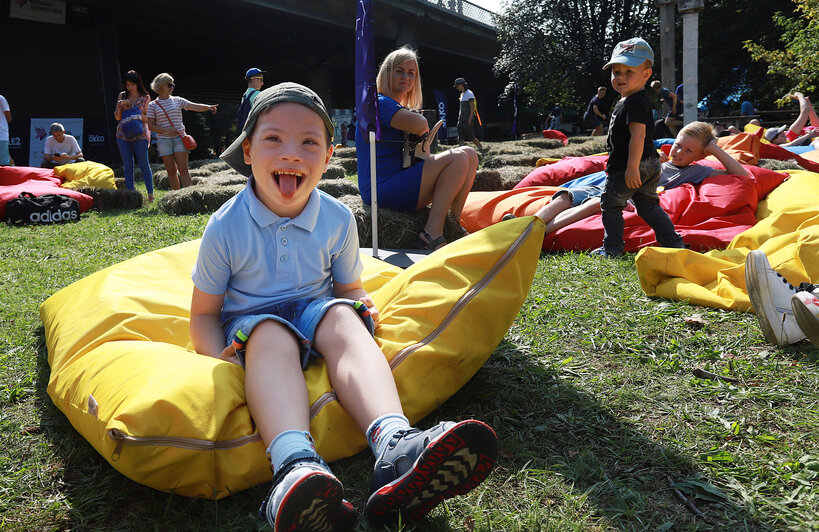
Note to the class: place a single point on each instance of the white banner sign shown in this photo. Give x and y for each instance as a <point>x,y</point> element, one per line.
<point>51,11</point>
<point>39,132</point>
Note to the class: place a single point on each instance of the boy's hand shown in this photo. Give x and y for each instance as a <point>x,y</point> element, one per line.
<point>663,157</point>
<point>371,311</point>
<point>229,355</point>
<point>633,180</point>
<point>712,148</point>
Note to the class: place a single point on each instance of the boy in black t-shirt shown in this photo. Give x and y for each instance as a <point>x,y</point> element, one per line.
<point>633,168</point>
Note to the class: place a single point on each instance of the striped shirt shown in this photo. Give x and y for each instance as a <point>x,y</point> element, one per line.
<point>173,107</point>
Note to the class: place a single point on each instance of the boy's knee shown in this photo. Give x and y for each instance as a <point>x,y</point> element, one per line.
<point>340,313</point>
<point>271,332</point>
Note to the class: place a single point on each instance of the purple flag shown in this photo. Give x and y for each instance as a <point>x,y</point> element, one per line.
<point>366,98</point>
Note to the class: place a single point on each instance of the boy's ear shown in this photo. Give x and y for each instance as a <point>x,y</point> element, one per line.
<point>330,150</point>
<point>246,150</point>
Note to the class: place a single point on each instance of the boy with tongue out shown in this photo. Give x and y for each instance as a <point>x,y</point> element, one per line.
<point>278,282</point>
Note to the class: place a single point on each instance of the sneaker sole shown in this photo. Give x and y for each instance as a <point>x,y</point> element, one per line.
<point>452,464</point>
<point>315,504</point>
<point>763,307</point>
<point>806,320</point>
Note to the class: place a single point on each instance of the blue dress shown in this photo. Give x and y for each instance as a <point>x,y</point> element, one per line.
<point>398,187</point>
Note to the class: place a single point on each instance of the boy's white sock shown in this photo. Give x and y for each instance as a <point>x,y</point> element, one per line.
<point>287,444</point>
<point>382,429</point>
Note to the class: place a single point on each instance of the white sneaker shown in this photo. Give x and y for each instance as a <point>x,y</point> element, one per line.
<point>806,311</point>
<point>770,296</point>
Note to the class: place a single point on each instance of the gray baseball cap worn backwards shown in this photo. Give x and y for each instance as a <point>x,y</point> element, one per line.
<point>281,93</point>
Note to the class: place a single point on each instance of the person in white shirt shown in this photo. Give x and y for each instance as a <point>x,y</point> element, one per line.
<point>467,112</point>
<point>60,148</point>
<point>5,118</point>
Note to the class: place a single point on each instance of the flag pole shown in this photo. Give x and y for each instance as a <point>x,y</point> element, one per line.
<point>373,195</point>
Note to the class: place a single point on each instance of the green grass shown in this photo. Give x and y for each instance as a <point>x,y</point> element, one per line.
<point>591,394</point>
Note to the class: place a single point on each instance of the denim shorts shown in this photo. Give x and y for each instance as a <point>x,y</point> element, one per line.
<point>301,316</point>
<point>580,195</point>
<point>170,146</point>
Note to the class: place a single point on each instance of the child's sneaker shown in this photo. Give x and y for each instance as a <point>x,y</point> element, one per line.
<point>770,296</point>
<point>607,253</point>
<point>805,307</point>
<point>419,469</point>
<point>306,496</point>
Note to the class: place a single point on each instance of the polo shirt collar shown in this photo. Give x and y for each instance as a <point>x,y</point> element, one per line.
<point>307,219</point>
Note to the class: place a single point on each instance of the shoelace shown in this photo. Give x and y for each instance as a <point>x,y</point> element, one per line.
<point>789,285</point>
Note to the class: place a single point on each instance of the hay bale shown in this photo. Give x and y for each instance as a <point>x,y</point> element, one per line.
<point>334,171</point>
<point>210,167</point>
<point>516,159</point>
<point>228,176</point>
<point>109,199</point>
<point>396,229</point>
<point>776,165</point>
<point>512,175</point>
<point>487,179</point>
<point>197,199</point>
<point>161,180</point>
<point>350,166</point>
<point>344,153</point>
<point>542,143</point>
<point>338,187</point>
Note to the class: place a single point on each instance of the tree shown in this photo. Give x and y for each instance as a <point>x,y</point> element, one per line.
<point>726,70</point>
<point>798,62</point>
<point>555,49</point>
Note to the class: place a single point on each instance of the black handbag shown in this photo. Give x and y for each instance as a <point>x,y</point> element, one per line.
<point>28,209</point>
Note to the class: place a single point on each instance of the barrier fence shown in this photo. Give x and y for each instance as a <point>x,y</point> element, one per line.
<point>465,9</point>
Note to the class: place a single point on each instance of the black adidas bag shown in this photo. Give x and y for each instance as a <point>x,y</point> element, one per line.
<point>46,209</point>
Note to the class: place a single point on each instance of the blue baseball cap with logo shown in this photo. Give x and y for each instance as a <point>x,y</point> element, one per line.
<point>633,52</point>
<point>253,72</point>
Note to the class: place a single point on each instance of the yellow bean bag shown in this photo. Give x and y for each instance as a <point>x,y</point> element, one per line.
<point>86,174</point>
<point>787,231</point>
<point>124,373</point>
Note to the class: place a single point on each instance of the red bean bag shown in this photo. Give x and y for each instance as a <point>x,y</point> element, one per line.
<point>766,180</point>
<point>708,216</point>
<point>555,134</point>
<point>564,170</point>
<point>38,181</point>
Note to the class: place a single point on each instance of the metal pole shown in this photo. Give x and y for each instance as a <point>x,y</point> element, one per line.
<point>373,195</point>
<point>668,57</point>
<point>690,12</point>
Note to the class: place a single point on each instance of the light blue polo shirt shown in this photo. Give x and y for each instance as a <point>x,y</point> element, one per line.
<point>258,259</point>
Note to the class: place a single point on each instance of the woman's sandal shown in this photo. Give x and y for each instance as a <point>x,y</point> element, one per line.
<point>430,243</point>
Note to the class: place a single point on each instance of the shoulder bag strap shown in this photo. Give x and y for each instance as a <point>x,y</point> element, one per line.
<point>168,117</point>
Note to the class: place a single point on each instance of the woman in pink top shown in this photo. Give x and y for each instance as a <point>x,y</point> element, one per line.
<point>165,118</point>
<point>133,106</point>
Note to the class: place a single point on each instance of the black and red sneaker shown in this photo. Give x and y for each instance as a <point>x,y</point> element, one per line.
<point>419,469</point>
<point>306,496</point>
